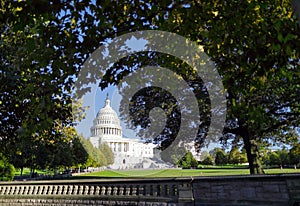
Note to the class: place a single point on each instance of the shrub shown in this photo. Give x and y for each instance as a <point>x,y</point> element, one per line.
<point>208,160</point>
<point>7,170</point>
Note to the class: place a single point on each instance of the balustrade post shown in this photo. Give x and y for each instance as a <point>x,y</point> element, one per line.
<point>103,190</point>
<point>70,189</point>
<point>25,190</point>
<point>92,189</point>
<point>41,190</point>
<point>80,190</point>
<point>49,191</point>
<point>18,191</point>
<point>121,190</point>
<point>108,190</point>
<point>141,190</point>
<point>65,190</point>
<point>35,190</point>
<point>127,191</point>
<point>134,190</point>
<point>11,190</point>
<point>75,190</point>
<point>97,190</point>
<point>115,190</point>
<point>86,190</point>
<point>59,189</point>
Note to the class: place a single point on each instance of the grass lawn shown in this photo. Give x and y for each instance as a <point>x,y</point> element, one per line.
<point>178,173</point>
<point>26,172</point>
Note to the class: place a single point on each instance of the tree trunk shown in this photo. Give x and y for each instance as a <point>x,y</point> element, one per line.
<point>253,156</point>
<point>296,8</point>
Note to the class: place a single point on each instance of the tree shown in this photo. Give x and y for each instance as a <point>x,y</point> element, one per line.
<point>38,58</point>
<point>254,117</point>
<point>296,7</point>
<point>188,161</point>
<point>105,149</point>
<point>236,157</point>
<point>255,47</point>
<point>35,71</point>
<point>221,157</point>
<point>274,159</point>
<point>284,157</point>
<point>294,155</point>
<point>79,154</point>
<point>59,149</point>
<point>208,160</point>
<point>97,157</point>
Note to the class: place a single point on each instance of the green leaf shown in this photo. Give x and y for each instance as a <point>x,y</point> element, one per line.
<point>30,46</point>
<point>280,37</point>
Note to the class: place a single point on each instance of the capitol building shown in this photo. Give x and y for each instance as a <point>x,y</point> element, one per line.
<point>128,153</point>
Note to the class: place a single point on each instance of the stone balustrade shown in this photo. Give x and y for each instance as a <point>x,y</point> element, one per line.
<point>160,190</point>
<point>98,192</point>
<point>199,191</point>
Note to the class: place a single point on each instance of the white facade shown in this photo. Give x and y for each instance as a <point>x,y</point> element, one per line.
<point>128,153</point>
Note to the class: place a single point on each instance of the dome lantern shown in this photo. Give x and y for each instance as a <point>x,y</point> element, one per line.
<point>107,101</point>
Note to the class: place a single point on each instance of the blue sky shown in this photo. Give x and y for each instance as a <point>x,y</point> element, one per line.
<point>98,100</point>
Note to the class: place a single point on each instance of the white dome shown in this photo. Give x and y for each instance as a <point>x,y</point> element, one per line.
<point>106,122</point>
<point>107,115</point>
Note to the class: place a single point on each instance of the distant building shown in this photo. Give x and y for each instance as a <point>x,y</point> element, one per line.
<point>128,152</point>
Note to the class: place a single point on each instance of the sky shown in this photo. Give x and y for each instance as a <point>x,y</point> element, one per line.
<point>98,100</point>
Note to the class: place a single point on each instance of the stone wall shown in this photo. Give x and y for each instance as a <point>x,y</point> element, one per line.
<point>247,190</point>
<point>200,191</point>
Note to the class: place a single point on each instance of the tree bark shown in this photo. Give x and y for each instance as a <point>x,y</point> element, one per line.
<point>296,8</point>
<point>253,156</point>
